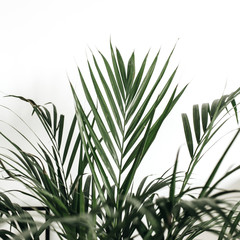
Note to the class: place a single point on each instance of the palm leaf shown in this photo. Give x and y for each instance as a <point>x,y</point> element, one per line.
<point>215,170</point>
<point>196,122</point>
<point>117,73</point>
<point>188,133</point>
<point>99,122</point>
<point>130,72</point>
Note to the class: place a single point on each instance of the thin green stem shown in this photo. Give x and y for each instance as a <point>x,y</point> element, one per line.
<point>121,162</point>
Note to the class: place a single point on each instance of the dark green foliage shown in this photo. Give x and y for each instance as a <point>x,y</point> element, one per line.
<point>85,173</point>
<point>17,220</point>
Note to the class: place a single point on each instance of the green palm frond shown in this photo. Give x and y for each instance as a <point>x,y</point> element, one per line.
<point>205,126</point>
<point>48,171</point>
<point>126,120</point>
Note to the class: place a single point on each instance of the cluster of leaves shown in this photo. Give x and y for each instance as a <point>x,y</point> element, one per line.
<point>205,126</point>
<point>47,171</point>
<point>110,142</point>
<point>17,220</point>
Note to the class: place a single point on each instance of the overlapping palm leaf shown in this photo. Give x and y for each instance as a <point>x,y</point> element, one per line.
<point>15,221</point>
<point>47,170</point>
<point>177,216</point>
<point>205,126</point>
<point>185,214</point>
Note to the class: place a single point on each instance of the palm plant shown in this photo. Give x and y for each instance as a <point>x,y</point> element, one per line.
<point>110,142</point>
<point>47,171</point>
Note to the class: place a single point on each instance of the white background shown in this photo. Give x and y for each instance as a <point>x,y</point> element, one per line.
<point>42,42</point>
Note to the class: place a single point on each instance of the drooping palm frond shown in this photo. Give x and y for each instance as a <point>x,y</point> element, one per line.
<point>47,171</point>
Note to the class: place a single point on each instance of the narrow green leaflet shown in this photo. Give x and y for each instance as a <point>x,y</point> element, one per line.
<point>196,122</point>
<point>60,131</point>
<point>214,106</point>
<point>122,68</point>
<point>188,133</point>
<point>130,72</point>
<point>205,110</point>
<point>69,138</point>
<point>172,197</point>
<point>234,105</point>
<point>73,155</point>
<point>117,73</point>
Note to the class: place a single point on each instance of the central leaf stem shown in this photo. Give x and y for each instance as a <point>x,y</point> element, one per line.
<point>120,166</point>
